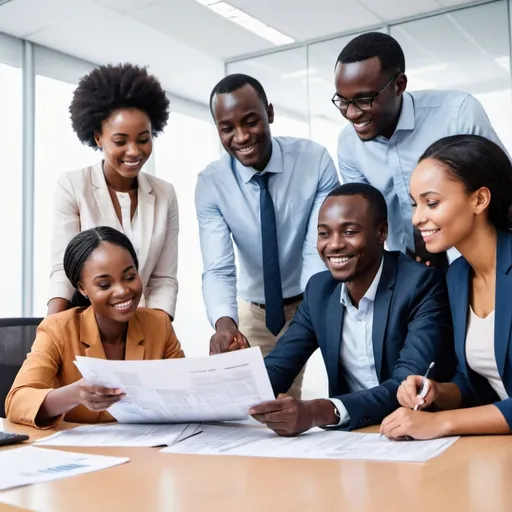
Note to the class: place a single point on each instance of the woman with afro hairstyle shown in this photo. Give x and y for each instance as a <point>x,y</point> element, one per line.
<point>119,110</point>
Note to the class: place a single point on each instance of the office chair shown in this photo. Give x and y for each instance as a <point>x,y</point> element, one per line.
<point>16,338</point>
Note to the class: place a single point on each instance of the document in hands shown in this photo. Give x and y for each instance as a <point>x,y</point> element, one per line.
<point>316,444</point>
<point>216,388</point>
<point>34,465</point>
<point>118,434</point>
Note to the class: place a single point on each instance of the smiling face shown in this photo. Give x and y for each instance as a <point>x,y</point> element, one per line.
<point>364,80</point>
<point>110,280</point>
<point>349,242</point>
<point>243,123</point>
<point>126,142</point>
<point>443,211</point>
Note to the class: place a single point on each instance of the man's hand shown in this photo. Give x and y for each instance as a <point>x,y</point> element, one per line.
<point>96,398</point>
<point>227,337</point>
<point>288,416</point>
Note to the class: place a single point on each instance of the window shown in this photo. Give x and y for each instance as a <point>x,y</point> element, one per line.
<point>187,146</point>
<point>57,150</point>
<point>470,52</point>
<point>11,151</point>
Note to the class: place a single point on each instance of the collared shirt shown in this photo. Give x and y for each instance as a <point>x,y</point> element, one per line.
<point>228,210</point>
<point>356,355</point>
<point>387,164</point>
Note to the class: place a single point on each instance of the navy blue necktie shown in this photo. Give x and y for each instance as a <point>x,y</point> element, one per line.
<point>274,309</point>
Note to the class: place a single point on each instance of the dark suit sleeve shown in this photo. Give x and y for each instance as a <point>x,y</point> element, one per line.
<point>293,349</point>
<point>429,332</point>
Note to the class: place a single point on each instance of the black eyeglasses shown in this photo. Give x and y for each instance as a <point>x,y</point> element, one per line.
<point>362,104</point>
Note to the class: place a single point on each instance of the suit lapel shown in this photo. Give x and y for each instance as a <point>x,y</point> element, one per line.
<point>503,302</point>
<point>459,305</point>
<point>134,348</point>
<point>90,335</point>
<point>334,322</point>
<point>381,309</point>
<point>103,199</point>
<point>146,212</point>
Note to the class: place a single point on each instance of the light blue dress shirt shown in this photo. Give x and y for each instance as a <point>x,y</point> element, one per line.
<point>387,164</point>
<point>356,354</point>
<point>228,210</point>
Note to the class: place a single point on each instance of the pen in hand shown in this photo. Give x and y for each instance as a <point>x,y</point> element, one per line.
<point>422,392</point>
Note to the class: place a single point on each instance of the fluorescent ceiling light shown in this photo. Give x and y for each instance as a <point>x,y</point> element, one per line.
<point>248,22</point>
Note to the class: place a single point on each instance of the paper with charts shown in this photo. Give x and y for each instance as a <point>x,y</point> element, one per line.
<point>213,388</point>
<point>315,444</point>
<point>33,465</point>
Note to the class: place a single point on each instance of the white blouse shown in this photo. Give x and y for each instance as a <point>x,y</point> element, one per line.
<point>480,350</point>
<point>131,227</point>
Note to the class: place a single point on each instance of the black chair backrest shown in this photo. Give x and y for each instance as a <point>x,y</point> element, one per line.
<point>16,338</point>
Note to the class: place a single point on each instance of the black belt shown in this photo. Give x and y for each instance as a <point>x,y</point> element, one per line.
<point>286,302</point>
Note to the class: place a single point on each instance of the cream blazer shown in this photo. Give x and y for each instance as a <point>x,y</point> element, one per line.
<point>82,201</point>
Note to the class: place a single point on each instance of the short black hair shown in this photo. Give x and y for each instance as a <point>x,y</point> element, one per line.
<point>374,44</point>
<point>108,88</point>
<point>371,194</point>
<point>236,81</point>
<point>478,162</point>
<point>84,244</point>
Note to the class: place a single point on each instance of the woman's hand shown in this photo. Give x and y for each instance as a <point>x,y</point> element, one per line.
<point>408,393</point>
<point>96,398</point>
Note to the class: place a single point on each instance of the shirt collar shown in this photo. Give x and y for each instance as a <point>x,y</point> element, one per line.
<point>275,164</point>
<point>406,119</point>
<point>370,293</point>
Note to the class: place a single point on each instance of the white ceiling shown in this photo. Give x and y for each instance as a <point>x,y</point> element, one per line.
<point>183,42</point>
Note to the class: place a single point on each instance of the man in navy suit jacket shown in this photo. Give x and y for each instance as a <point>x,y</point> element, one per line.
<point>377,317</point>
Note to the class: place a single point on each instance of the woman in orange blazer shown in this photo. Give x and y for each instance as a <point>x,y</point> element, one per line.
<point>119,110</point>
<point>102,265</point>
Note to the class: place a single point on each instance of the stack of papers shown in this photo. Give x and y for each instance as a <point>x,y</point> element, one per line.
<point>215,388</point>
<point>33,465</point>
<point>122,435</point>
<point>315,444</point>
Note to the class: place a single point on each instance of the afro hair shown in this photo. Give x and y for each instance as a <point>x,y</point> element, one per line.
<point>108,88</point>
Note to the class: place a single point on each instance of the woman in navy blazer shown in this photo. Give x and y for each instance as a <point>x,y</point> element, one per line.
<point>462,196</point>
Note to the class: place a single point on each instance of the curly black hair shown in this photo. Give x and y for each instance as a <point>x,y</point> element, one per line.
<point>374,44</point>
<point>108,88</point>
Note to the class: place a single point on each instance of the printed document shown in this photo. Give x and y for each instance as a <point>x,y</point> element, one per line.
<point>118,434</point>
<point>33,465</point>
<point>221,387</point>
<point>317,444</point>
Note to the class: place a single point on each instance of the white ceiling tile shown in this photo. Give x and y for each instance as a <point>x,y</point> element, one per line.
<point>396,9</point>
<point>309,20</point>
<point>125,5</point>
<point>453,3</point>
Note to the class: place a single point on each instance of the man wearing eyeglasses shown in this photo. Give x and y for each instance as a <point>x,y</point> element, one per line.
<point>390,129</point>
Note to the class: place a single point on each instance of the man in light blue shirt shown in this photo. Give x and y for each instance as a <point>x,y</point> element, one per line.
<point>391,128</point>
<point>262,197</point>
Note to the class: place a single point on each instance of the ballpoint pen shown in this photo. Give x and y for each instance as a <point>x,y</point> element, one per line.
<point>424,388</point>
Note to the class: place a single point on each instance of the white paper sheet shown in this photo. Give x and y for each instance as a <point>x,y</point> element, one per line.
<point>214,388</point>
<point>257,442</point>
<point>121,435</point>
<point>31,465</point>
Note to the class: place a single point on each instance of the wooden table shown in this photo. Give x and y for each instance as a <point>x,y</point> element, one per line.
<point>475,474</point>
